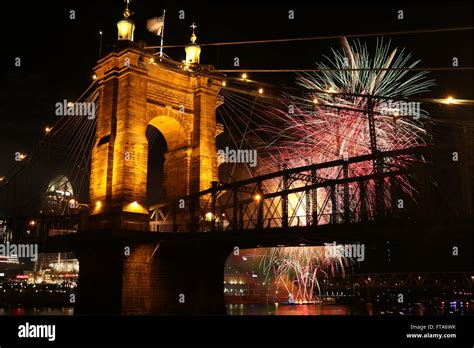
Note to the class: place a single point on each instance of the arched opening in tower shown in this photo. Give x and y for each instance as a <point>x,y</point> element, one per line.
<point>157,148</point>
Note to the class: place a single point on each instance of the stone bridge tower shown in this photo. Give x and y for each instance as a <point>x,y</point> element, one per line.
<point>137,89</point>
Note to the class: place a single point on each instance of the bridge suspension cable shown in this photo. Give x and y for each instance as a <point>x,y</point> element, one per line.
<point>468,68</point>
<point>66,146</point>
<point>324,37</point>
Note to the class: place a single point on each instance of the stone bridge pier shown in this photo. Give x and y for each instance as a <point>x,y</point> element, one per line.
<point>176,277</point>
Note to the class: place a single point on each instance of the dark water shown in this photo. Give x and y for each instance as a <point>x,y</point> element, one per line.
<point>338,309</point>
<point>231,310</point>
<point>274,309</point>
<point>311,309</point>
<point>37,311</point>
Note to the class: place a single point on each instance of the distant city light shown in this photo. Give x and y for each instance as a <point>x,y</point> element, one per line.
<point>260,91</point>
<point>244,76</point>
<point>450,100</point>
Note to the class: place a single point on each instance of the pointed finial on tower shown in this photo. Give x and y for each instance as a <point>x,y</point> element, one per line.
<point>127,12</point>
<point>193,36</point>
<point>193,50</point>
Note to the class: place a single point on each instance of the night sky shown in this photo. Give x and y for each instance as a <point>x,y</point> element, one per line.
<point>58,53</point>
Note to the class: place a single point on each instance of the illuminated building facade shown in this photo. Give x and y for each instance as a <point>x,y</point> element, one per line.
<point>58,195</point>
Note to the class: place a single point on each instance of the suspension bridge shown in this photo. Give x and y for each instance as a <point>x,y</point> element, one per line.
<point>377,182</point>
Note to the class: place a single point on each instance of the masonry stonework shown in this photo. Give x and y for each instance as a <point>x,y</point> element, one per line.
<point>135,92</point>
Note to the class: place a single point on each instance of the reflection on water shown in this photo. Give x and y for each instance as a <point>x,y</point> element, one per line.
<point>416,309</point>
<point>276,309</point>
<point>37,311</point>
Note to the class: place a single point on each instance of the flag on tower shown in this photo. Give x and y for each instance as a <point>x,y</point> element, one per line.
<point>155,25</point>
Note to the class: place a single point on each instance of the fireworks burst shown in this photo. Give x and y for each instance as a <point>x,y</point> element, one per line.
<point>302,268</point>
<point>330,121</point>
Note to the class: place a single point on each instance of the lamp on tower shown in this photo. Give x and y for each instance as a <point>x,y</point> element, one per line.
<point>125,25</point>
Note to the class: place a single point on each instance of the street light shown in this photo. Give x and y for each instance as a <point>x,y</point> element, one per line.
<point>209,216</point>
<point>100,43</point>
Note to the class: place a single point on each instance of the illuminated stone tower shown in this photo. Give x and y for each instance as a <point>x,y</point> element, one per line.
<point>137,89</point>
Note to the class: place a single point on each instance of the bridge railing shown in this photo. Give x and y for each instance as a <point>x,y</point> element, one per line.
<point>36,229</point>
<point>316,194</point>
<point>312,195</point>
